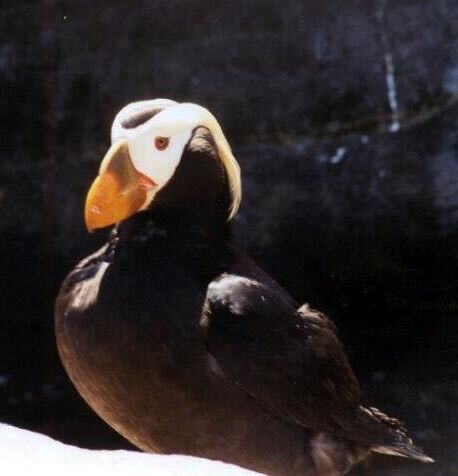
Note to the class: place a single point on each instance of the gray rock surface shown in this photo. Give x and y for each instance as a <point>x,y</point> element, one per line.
<point>307,93</point>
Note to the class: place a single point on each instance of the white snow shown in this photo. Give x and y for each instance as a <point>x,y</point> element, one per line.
<point>25,453</point>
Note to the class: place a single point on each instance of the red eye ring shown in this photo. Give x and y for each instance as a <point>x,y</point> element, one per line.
<point>161,143</point>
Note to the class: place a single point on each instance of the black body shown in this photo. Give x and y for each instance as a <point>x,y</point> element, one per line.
<point>184,345</point>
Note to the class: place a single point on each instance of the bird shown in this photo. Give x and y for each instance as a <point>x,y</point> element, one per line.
<point>180,341</point>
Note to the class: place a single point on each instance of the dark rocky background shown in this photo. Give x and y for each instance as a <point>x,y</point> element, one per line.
<point>344,117</point>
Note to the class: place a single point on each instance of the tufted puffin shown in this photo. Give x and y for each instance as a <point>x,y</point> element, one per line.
<point>179,341</point>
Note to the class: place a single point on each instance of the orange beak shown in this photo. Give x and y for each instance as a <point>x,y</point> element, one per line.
<point>119,190</point>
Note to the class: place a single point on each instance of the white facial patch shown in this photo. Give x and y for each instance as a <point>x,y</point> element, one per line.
<point>159,165</point>
<point>118,130</point>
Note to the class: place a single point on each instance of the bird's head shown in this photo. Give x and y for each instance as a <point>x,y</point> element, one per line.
<point>165,154</point>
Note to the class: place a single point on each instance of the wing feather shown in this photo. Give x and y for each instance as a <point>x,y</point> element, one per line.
<point>290,360</point>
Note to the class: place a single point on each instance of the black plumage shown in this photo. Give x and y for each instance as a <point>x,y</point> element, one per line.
<point>184,345</point>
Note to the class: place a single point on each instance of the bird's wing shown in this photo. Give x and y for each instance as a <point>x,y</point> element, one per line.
<point>290,360</point>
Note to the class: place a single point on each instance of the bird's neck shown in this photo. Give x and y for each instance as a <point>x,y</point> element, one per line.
<point>211,223</point>
<point>177,239</point>
<point>175,223</point>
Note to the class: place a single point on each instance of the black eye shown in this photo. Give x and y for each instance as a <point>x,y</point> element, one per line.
<point>161,143</point>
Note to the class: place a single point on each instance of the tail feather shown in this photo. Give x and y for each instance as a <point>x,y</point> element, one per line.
<point>404,451</point>
<point>399,443</point>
